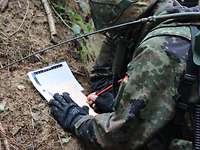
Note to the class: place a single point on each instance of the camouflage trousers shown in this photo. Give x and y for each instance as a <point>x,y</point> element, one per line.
<point>101,74</point>
<point>178,144</point>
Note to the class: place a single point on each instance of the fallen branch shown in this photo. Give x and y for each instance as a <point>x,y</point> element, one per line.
<point>50,20</point>
<point>5,141</point>
<point>3,5</point>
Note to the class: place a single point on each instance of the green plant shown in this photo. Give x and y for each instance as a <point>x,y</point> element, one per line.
<point>78,26</point>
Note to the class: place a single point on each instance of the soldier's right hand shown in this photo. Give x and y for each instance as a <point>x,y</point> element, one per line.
<point>104,103</point>
<point>91,98</point>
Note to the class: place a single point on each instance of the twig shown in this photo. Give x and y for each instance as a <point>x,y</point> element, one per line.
<point>4,34</point>
<point>50,20</point>
<point>8,69</point>
<point>78,73</point>
<point>20,6</point>
<point>1,144</point>
<point>3,38</point>
<point>5,141</point>
<point>59,16</point>
<point>4,5</point>
<point>41,59</point>
<point>61,144</point>
<point>1,64</point>
<point>32,123</point>
<point>30,24</point>
<point>27,9</point>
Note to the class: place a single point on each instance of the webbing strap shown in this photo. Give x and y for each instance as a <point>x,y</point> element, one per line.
<point>196,46</point>
<point>189,76</point>
<point>187,80</point>
<point>122,6</point>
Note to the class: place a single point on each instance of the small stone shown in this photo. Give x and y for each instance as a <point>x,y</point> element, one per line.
<point>36,115</point>
<point>30,147</point>
<point>2,106</point>
<point>76,29</point>
<point>21,87</point>
<point>15,130</point>
<point>65,140</point>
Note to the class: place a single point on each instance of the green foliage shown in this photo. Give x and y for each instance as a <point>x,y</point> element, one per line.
<point>66,138</point>
<point>76,20</point>
<point>59,8</point>
<point>83,52</point>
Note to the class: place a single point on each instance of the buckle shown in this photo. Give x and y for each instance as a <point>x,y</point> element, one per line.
<point>190,77</point>
<point>182,105</point>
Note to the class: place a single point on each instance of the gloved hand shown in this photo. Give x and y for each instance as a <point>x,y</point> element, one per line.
<point>66,112</point>
<point>104,103</point>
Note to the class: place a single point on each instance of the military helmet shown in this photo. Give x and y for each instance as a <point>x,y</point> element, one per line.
<point>110,12</point>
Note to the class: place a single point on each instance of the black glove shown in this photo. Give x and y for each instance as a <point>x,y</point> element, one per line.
<point>66,112</point>
<point>104,103</point>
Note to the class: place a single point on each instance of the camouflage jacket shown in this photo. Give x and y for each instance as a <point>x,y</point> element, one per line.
<point>144,104</point>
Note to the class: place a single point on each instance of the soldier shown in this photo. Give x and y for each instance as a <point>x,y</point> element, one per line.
<point>141,113</point>
<point>189,3</point>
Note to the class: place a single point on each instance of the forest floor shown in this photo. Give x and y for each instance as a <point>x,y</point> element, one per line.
<point>25,115</point>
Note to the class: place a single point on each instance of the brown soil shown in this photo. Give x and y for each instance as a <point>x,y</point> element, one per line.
<point>26,118</point>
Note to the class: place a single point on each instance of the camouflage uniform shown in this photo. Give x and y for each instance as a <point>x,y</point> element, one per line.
<point>144,105</point>
<point>189,3</point>
<point>178,144</point>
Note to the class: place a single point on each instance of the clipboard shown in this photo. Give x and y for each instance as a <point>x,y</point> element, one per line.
<point>58,78</point>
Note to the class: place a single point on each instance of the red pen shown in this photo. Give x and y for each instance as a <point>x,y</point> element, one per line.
<point>110,86</point>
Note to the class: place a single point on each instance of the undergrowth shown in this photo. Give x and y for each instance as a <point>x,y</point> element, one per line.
<point>79,23</point>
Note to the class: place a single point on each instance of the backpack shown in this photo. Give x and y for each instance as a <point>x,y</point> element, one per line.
<point>190,76</point>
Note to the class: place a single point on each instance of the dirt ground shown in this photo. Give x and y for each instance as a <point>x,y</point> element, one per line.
<point>26,120</point>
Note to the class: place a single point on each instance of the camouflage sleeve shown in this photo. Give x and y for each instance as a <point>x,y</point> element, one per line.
<point>144,102</point>
<point>109,12</point>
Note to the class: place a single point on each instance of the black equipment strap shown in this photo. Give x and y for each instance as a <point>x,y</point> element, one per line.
<point>188,79</point>
<point>189,76</point>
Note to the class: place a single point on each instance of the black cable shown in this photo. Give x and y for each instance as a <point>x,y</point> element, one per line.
<point>189,15</point>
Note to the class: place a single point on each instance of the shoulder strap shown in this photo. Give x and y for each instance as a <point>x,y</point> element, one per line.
<point>189,76</point>
<point>188,79</point>
<point>122,6</point>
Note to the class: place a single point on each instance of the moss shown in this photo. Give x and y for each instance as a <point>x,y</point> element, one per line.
<point>80,23</point>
